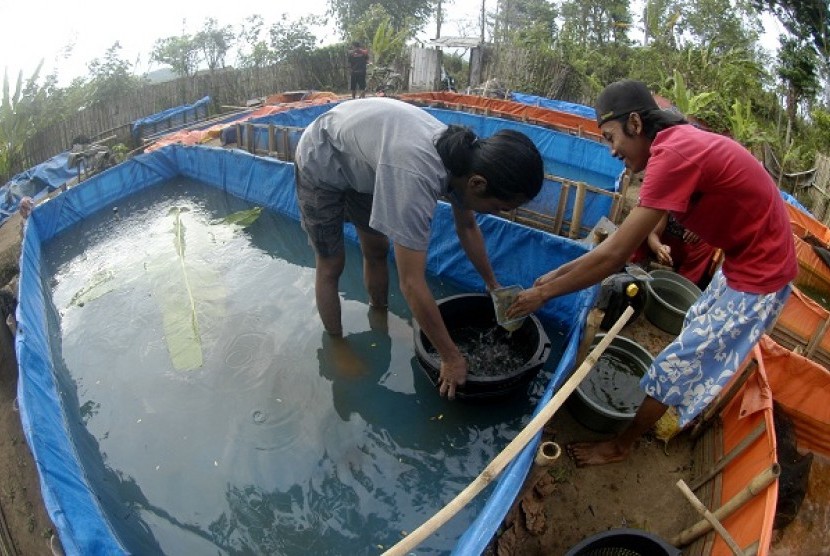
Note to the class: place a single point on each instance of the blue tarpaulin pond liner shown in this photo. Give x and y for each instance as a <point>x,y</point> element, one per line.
<point>565,156</point>
<point>553,104</point>
<point>520,254</point>
<point>36,182</point>
<point>172,118</point>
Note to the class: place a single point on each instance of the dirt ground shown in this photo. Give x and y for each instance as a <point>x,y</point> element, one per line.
<point>25,528</point>
<point>561,504</point>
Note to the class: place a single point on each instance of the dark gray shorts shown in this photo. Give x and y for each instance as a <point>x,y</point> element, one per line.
<point>323,213</point>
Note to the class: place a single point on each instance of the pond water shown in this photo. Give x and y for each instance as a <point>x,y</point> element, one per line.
<point>205,402</point>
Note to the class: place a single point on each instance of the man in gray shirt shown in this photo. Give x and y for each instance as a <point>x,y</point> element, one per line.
<point>383,165</point>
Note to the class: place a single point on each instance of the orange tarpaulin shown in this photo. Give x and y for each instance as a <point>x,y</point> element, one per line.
<point>804,224</point>
<point>564,121</point>
<point>803,318</point>
<point>802,389</point>
<point>751,407</point>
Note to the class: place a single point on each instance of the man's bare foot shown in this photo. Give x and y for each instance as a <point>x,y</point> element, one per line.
<point>379,318</point>
<point>346,362</point>
<point>597,453</point>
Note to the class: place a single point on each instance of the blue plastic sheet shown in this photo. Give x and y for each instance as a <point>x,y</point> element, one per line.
<point>35,182</point>
<point>172,117</point>
<point>519,253</point>
<point>565,156</point>
<point>560,105</point>
<point>794,202</point>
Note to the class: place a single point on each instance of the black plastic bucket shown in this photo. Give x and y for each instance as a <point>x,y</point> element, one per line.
<point>529,342</point>
<point>624,542</point>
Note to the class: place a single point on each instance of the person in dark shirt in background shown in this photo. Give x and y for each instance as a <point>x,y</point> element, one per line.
<point>671,244</point>
<point>358,58</point>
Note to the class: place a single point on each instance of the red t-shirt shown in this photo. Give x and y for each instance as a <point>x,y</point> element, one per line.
<point>717,189</point>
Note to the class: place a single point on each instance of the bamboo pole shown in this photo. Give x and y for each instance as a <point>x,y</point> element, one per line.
<point>504,457</point>
<point>576,215</point>
<point>755,486</point>
<point>735,452</point>
<point>560,208</point>
<point>709,516</point>
<point>817,338</point>
<point>595,316</point>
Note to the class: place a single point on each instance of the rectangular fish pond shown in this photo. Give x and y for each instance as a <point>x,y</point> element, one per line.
<point>177,389</point>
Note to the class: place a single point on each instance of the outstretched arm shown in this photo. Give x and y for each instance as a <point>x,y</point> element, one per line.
<point>605,259</point>
<point>660,250</point>
<point>472,241</point>
<point>411,270</point>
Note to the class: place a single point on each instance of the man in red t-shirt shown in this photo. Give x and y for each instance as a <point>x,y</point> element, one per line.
<point>715,188</point>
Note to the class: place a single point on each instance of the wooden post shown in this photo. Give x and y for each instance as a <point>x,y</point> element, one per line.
<point>272,140</point>
<point>626,182</point>
<point>249,138</point>
<point>286,139</point>
<point>576,215</point>
<point>564,190</point>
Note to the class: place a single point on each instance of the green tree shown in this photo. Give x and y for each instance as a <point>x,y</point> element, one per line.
<point>17,123</point>
<point>721,24</point>
<point>803,18</point>
<point>214,42</point>
<point>387,44</point>
<point>660,19</point>
<point>111,77</point>
<point>526,22</point>
<point>253,51</point>
<point>798,72</point>
<point>292,39</point>
<point>404,15</point>
<point>594,23</point>
<point>375,28</point>
<point>181,53</point>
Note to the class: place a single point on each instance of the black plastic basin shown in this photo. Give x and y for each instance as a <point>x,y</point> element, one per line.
<point>529,342</point>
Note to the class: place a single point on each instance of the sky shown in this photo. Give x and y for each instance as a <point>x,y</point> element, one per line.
<point>37,30</point>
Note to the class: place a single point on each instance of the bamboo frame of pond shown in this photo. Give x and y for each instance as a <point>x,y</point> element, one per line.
<point>710,517</point>
<point>733,453</point>
<point>577,131</point>
<point>246,132</point>
<point>755,487</point>
<point>512,449</point>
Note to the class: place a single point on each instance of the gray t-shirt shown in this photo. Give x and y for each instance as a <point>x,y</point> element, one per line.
<point>383,147</point>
